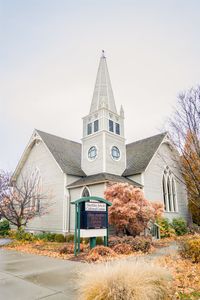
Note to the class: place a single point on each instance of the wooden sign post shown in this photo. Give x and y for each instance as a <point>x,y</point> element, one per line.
<point>91,220</point>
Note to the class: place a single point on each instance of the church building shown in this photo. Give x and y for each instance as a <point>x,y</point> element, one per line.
<point>71,170</point>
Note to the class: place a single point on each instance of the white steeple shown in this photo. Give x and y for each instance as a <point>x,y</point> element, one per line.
<point>122,111</point>
<point>103,94</point>
<point>103,142</point>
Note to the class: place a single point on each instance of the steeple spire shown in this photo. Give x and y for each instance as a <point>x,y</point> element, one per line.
<point>103,94</point>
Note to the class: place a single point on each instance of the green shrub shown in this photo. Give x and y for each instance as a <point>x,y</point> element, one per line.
<point>4,227</point>
<point>46,236</point>
<point>99,241</point>
<point>124,280</point>
<point>180,226</point>
<point>59,238</point>
<point>12,233</point>
<point>85,240</point>
<point>69,238</point>
<point>166,229</point>
<point>21,235</point>
<point>191,249</point>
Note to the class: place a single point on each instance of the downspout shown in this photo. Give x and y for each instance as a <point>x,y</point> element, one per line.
<point>69,210</point>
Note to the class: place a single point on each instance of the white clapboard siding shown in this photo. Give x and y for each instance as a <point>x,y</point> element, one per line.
<point>153,181</point>
<point>53,187</point>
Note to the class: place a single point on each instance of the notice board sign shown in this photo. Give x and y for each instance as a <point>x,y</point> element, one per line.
<point>95,206</point>
<point>93,220</point>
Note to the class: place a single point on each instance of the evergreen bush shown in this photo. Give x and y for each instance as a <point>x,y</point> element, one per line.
<point>4,227</point>
<point>59,238</point>
<point>166,229</point>
<point>180,226</point>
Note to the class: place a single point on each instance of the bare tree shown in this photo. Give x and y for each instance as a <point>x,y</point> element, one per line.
<point>184,128</point>
<point>22,201</point>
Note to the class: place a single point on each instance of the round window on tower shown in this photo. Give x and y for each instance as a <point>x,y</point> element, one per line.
<point>115,153</point>
<point>92,153</point>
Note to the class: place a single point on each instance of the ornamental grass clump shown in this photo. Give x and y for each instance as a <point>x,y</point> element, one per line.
<point>125,281</point>
<point>191,249</point>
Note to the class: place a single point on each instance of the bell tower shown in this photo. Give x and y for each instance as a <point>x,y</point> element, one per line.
<point>103,142</point>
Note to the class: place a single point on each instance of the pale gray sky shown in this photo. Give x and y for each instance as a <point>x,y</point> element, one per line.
<point>49,55</point>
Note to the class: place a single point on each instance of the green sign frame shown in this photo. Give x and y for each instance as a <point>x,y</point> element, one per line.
<point>77,237</point>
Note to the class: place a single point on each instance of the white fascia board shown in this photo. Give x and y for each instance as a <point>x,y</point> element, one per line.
<point>35,136</point>
<point>25,154</point>
<point>162,142</point>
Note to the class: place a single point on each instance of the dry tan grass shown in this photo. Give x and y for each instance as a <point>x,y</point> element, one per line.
<point>125,281</point>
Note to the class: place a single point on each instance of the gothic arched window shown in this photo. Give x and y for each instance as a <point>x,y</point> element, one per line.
<point>85,192</point>
<point>169,191</point>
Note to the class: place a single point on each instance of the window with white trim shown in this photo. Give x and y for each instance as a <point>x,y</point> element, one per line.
<point>96,125</point>
<point>111,126</point>
<point>169,191</point>
<point>117,128</point>
<point>89,128</point>
<point>86,192</point>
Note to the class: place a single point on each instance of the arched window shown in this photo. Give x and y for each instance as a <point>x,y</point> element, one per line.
<point>85,192</point>
<point>164,193</point>
<point>169,191</point>
<point>36,184</point>
<point>174,194</point>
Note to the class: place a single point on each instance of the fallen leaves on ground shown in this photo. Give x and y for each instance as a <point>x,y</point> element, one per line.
<point>186,276</point>
<point>50,249</point>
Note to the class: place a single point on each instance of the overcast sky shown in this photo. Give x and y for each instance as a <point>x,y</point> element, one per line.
<point>49,55</point>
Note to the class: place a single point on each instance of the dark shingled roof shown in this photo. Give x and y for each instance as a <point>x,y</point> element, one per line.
<point>67,153</point>
<point>102,177</point>
<point>68,156</point>
<point>139,154</point>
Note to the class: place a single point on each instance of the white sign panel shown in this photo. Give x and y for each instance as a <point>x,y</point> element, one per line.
<point>92,232</point>
<point>95,206</point>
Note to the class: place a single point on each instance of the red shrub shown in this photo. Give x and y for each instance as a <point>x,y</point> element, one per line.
<point>114,240</point>
<point>130,212</point>
<point>100,251</point>
<point>122,249</point>
<point>69,249</point>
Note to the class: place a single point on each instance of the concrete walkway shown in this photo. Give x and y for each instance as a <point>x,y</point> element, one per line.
<point>5,242</point>
<point>29,277</point>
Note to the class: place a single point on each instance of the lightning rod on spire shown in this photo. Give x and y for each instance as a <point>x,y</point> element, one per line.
<point>103,54</point>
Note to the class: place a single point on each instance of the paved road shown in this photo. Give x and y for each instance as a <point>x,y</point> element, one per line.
<point>4,241</point>
<point>29,277</point>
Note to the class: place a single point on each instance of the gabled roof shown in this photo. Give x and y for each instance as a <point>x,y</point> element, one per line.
<point>139,154</point>
<point>66,153</point>
<point>103,94</point>
<point>102,177</point>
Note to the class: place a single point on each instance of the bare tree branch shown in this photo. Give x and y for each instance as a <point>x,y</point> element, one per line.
<point>19,202</point>
<point>184,129</point>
